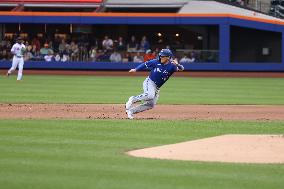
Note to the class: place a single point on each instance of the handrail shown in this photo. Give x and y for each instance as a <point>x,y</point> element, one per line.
<point>51,1</point>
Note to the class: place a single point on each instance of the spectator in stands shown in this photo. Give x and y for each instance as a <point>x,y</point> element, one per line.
<point>115,57</point>
<point>61,47</point>
<point>144,44</point>
<point>36,42</point>
<point>4,50</point>
<point>4,42</point>
<point>192,57</point>
<point>138,58</point>
<point>127,58</point>
<point>149,55</point>
<point>56,43</point>
<point>29,54</point>
<point>132,45</point>
<point>57,57</point>
<point>4,55</point>
<point>35,52</point>
<point>102,56</point>
<point>67,50</point>
<point>120,44</point>
<point>29,47</point>
<point>65,58</point>
<point>184,59</point>
<point>74,52</point>
<point>93,53</point>
<point>99,55</point>
<point>156,51</point>
<point>26,43</point>
<point>49,57</point>
<point>50,44</point>
<point>241,2</point>
<point>107,43</point>
<point>44,50</point>
<point>83,53</point>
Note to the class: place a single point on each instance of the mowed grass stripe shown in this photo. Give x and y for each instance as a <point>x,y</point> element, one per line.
<point>226,91</point>
<point>90,154</point>
<point>192,173</point>
<point>178,90</point>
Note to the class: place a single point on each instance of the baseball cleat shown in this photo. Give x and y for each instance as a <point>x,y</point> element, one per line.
<point>129,103</point>
<point>129,114</point>
<point>7,74</point>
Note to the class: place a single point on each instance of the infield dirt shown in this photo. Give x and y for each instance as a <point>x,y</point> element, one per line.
<point>164,112</point>
<point>225,148</point>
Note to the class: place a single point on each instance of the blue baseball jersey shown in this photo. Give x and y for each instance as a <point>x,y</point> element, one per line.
<point>160,73</point>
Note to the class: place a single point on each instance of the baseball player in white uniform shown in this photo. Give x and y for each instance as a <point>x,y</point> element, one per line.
<point>18,51</point>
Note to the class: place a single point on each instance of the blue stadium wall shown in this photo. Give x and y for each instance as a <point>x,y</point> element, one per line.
<point>223,21</point>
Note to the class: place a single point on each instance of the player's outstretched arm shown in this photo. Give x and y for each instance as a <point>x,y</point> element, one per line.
<point>179,66</point>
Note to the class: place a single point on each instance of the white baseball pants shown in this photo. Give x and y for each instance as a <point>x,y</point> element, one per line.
<point>17,61</point>
<point>149,97</point>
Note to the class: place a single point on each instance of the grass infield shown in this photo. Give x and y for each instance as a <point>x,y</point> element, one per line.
<point>59,154</point>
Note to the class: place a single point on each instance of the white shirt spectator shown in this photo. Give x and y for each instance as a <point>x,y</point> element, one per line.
<point>115,57</point>
<point>29,55</point>
<point>138,58</point>
<point>57,58</point>
<point>184,59</point>
<point>65,58</point>
<point>48,58</point>
<point>93,54</point>
<point>191,59</point>
<point>107,43</point>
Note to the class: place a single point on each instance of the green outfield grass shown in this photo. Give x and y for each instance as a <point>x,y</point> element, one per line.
<point>178,90</point>
<point>90,154</point>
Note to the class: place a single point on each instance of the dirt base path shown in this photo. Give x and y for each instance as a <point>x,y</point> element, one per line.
<point>163,112</point>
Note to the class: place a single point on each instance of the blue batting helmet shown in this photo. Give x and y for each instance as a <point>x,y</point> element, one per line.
<point>166,52</point>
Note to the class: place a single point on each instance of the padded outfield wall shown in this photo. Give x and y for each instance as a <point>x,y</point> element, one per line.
<point>245,43</point>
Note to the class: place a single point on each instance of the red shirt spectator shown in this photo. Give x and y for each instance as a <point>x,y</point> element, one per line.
<point>149,55</point>
<point>36,42</point>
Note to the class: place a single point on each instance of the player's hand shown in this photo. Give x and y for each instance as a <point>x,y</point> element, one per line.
<point>132,70</point>
<point>175,61</point>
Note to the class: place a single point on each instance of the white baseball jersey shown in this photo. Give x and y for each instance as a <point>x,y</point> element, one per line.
<point>17,50</point>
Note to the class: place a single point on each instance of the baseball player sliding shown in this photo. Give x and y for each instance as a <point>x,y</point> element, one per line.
<point>18,50</point>
<point>161,69</point>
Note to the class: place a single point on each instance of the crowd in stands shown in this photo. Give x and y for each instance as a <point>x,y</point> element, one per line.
<point>240,2</point>
<point>277,8</point>
<point>85,50</point>
<point>63,50</point>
